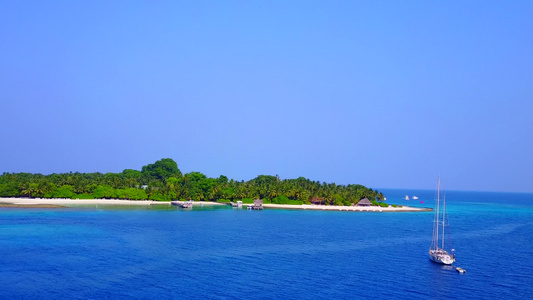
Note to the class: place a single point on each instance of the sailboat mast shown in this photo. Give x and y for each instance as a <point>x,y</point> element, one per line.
<point>437,215</point>
<point>443,219</point>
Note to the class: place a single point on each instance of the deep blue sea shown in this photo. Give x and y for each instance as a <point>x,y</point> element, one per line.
<point>224,253</point>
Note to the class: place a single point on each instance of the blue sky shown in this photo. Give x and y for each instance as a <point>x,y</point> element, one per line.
<point>388,94</point>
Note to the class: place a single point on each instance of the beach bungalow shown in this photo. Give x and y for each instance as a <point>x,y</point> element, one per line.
<point>258,204</point>
<point>317,200</point>
<point>364,202</point>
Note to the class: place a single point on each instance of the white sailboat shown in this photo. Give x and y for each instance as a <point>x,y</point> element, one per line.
<point>406,197</point>
<point>437,252</point>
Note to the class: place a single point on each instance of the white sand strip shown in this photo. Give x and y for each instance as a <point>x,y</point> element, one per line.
<point>62,201</point>
<point>348,208</point>
<point>69,202</point>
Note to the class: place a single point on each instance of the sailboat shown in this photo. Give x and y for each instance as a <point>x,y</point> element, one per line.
<point>437,252</point>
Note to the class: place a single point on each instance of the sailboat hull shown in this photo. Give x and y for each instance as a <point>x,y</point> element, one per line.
<point>441,257</point>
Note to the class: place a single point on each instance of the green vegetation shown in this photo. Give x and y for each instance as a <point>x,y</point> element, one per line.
<point>376,203</point>
<point>163,181</point>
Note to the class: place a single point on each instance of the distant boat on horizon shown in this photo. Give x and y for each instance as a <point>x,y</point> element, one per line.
<point>415,198</point>
<point>406,197</point>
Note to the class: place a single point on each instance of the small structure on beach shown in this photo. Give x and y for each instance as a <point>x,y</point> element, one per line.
<point>317,200</point>
<point>364,202</point>
<point>258,205</point>
<point>237,204</point>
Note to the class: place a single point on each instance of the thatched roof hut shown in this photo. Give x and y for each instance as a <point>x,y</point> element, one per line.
<point>317,200</point>
<point>258,204</point>
<point>364,202</point>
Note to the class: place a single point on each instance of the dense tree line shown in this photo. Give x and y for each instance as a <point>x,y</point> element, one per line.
<point>163,181</point>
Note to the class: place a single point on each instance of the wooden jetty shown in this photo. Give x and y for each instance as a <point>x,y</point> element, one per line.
<point>183,204</point>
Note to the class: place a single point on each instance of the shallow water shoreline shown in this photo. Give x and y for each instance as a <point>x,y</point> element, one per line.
<point>55,203</point>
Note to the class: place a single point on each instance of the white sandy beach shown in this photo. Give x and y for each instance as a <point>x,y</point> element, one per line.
<point>67,202</point>
<point>75,202</point>
<point>347,208</point>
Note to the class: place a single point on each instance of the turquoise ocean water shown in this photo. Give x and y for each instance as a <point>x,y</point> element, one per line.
<point>223,253</point>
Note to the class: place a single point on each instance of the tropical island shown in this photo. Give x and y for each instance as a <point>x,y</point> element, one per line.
<point>163,181</point>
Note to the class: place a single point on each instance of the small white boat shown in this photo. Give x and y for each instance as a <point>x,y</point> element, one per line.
<point>406,197</point>
<point>460,270</point>
<point>414,198</point>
